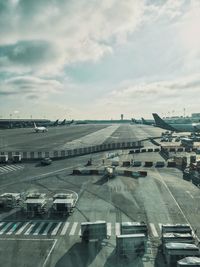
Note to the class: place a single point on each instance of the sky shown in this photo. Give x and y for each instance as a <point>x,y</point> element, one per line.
<point>97,59</point>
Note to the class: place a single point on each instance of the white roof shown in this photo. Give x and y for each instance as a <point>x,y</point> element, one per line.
<point>131,236</point>
<point>190,260</point>
<point>63,201</point>
<point>175,245</point>
<point>35,201</point>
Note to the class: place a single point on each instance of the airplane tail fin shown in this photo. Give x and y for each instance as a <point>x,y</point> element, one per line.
<point>161,123</point>
<point>35,126</point>
<point>143,121</point>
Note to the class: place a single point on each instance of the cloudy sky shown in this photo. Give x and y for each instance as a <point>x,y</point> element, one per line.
<point>97,59</point>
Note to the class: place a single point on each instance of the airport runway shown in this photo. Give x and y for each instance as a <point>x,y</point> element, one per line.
<point>25,139</point>
<point>74,136</point>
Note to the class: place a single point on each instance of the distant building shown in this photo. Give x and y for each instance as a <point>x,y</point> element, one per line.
<point>122,117</point>
<point>195,115</point>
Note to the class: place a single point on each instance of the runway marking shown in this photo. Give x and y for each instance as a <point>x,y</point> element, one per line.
<point>117,228</point>
<point>14,227</point>
<point>109,229</point>
<point>28,231</point>
<point>47,228</point>
<point>5,228</point>
<point>36,232</point>
<point>53,246</point>
<point>55,230</point>
<point>10,168</point>
<point>65,227</point>
<point>22,228</point>
<point>73,229</point>
<point>176,202</point>
<point>153,229</point>
<point>190,194</point>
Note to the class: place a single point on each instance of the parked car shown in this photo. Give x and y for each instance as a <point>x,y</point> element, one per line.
<point>46,161</point>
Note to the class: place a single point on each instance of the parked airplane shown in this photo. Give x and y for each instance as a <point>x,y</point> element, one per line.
<point>189,127</point>
<point>40,129</point>
<point>65,123</point>
<point>149,122</point>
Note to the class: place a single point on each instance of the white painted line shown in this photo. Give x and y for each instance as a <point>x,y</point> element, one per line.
<point>65,227</point>
<point>28,231</point>
<point>1,223</point>
<point>21,229</point>
<point>153,230</point>
<point>19,167</point>
<point>109,229</point>
<point>117,228</point>
<point>8,168</point>
<point>160,226</point>
<point>47,258</point>
<point>73,229</point>
<point>47,228</point>
<point>5,228</point>
<point>11,167</point>
<point>13,228</point>
<point>39,228</point>
<point>55,230</point>
<point>2,169</point>
<point>190,194</point>
<point>176,203</point>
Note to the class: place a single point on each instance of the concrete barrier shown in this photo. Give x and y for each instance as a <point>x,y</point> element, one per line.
<point>126,164</point>
<point>143,173</point>
<point>56,154</point>
<point>171,164</point>
<point>148,164</point>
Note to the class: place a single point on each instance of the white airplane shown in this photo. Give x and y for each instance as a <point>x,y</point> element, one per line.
<point>40,129</point>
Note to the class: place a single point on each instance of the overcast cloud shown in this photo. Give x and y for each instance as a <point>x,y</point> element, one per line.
<point>100,55</point>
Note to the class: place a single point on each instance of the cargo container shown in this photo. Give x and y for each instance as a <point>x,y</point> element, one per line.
<point>176,228</point>
<point>127,228</point>
<point>94,231</point>
<point>176,251</point>
<point>16,158</point>
<point>131,245</point>
<point>3,158</point>
<point>189,262</point>
<point>9,200</point>
<point>177,237</point>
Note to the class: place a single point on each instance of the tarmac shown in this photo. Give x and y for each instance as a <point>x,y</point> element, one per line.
<point>159,198</point>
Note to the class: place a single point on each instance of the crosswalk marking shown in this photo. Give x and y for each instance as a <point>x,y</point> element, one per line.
<point>28,231</point>
<point>55,230</point>
<point>19,167</point>
<point>47,228</point>
<point>13,228</point>
<point>109,229</point>
<point>10,168</point>
<point>37,230</point>
<point>65,227</point>
<point>117,228</point>
<point>21,229</point>
<point>73,229</point>
<point>5,228</point>
<point>153,230</point>
<point>61,228</point>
